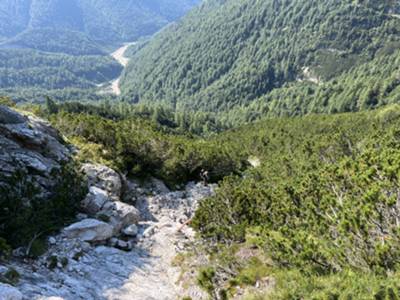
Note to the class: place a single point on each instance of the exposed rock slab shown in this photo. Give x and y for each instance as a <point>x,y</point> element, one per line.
<point>30,145</point>
<point>89,230</point>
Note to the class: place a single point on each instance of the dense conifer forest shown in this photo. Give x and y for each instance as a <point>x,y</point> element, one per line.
<point>279,57</point>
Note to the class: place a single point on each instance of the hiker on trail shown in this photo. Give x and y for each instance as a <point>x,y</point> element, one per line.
<point>204,176</point>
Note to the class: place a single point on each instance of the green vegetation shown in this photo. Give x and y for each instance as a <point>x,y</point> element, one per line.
<point>140,146</point>
<point>269,55</point>
<point>5,249</point>
<point>323,201</point>
<point>322,205</point>
<point>6,101</point>
<point>76,25</point>
<point>27,218</point>
<point>52,262</point>
<point>61,48</point>
<point>56,41</point>
<point>11,276</point>
<point>206,279</point>
<point>344,285</point>
<point>308,206</point>
<point>29,75</point>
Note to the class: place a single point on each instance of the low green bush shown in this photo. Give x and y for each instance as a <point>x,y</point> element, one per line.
<point>295,284</point>
<point>52,262</point>
<point>205,279</point>
<point>27,218</point>
<point>5,249</point>
<point>12,276</point>
<point>7,101</point>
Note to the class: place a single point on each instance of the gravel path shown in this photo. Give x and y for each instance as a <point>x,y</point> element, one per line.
<point>107,273</point>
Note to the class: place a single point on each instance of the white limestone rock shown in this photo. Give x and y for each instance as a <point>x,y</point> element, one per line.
<point>89,230</point>
<point>104,178</point>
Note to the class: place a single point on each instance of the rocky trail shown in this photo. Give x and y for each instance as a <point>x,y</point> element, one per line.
<point>121,246</point>
<point>112,270</point>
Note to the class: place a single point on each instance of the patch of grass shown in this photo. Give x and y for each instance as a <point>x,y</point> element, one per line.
<point>253,272</point>
<point>178,260</point>
<point>7,101</point>
<point>64,261</point>
<point>38,248</point>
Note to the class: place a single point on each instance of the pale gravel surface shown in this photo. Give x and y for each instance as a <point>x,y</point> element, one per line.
<point>119,55</point>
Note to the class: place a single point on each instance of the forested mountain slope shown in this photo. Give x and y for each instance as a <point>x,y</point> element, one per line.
<point>61,48</point>
<point>105,22</point>
<point>27,68</point>
<point>230,53</point>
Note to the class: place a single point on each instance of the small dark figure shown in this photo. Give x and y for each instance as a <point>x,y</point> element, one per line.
<point>204,176</point>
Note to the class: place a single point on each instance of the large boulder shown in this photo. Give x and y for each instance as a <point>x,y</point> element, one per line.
<point>89,230</point>
<point>159,186</point>
<point>120,215</point>
<point>8,292</point>
<point>95,200</point>
<point>104,178</point>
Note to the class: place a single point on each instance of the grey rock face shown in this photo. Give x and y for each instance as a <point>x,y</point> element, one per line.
<point>30,145</point>
<point>128,268</point>
<point>104,198</point>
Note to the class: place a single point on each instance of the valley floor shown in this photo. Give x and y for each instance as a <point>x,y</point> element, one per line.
<point>118,55</point>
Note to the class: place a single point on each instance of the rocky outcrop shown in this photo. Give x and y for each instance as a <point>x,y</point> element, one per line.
<point>8,292</point>
<point>30,145</point>
<point>120,215</point>
<point>131,230</point>
<point>104,198</point>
